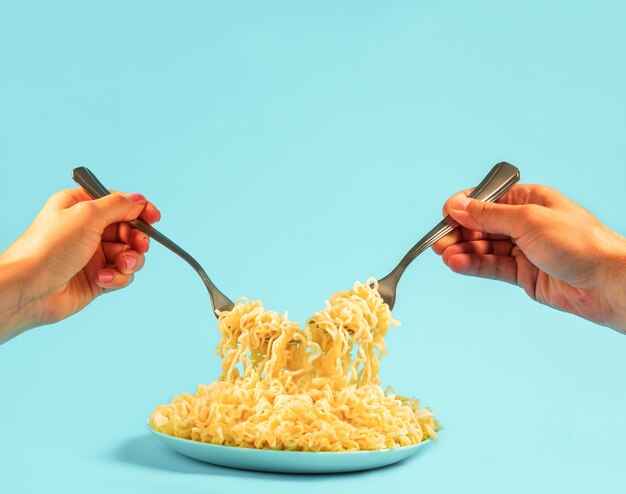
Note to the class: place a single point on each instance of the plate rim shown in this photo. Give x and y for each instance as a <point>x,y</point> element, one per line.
<point>316,453</point>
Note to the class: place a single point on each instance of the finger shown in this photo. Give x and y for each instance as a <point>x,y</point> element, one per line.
<point>461,234</point>
<point>467,192</point>
<point>528,275</point>
<point>66,198</point>
<point>540,195</point>
<point>63,199</point>
<point>455,236</point>
<point>139,240</point>
<point>481,247</point>
<point>117,232</point>
<point>111,278</point>
<point>150,214</point>
<point>503,219</point>
<point>113,249</point>
<point>113,208</point>
<point>123,256</point>
<point>129,262</point>
<point>124,233</point>
<point>491,266</point>
<point>521,194</point>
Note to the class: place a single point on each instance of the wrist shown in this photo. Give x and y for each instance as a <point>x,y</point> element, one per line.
<point>614,289</point>
<point>18,304</point>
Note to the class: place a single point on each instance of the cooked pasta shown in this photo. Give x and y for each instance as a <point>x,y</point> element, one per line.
<point>311,389</point>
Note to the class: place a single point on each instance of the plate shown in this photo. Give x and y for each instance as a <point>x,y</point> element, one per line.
<point>267,460</point>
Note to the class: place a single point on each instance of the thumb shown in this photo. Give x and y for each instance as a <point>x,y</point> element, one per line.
<point>114,208</point>
<point>487,217</point>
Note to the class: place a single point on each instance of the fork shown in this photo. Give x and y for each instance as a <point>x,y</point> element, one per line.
<point>498,182</point>
<point>88,181</point>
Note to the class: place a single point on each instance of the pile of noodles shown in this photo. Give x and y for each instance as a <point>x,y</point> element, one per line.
<point>312,389</point>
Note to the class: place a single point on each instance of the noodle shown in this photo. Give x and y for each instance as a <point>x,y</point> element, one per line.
<point>311,389</point>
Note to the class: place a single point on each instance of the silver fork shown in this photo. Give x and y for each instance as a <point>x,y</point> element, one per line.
<point>88,181</point>
<point>498,182</point>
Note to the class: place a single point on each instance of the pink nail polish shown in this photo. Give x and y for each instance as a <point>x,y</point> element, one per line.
<point>137,197</point>
<point>146,241</point>
<point>105,276</point>
<point>130,262</point>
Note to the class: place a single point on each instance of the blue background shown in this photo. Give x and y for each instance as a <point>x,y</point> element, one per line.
<point>294,147</point>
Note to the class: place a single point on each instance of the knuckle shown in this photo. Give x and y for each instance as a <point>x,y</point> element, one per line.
<point>536,218</point>
<point>58,197</point>
<point>60,194</point>
<point>532,214</point>
<point>545,190</point>
<point>118,198</point>
<point>484,213</point>
<point>86,208</point>
<point>546,193</point>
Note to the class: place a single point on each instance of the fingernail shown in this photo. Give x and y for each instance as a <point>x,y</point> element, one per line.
<point>130,262</point>
<point>105,276</point>
<point>146,241</point>
<point>459,202</point>
<point>137,197</point>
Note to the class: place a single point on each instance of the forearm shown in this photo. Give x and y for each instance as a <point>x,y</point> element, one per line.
<point>17,305</point>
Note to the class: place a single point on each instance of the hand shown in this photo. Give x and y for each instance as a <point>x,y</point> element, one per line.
<point>75,249</point>
<point>557,251</point>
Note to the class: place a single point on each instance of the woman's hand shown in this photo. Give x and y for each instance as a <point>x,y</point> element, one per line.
<point>535,237</point>
<point>75,249</point>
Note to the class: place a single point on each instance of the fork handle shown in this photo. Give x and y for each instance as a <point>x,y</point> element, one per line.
<point>496,183</point>
<point>88,181</point>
